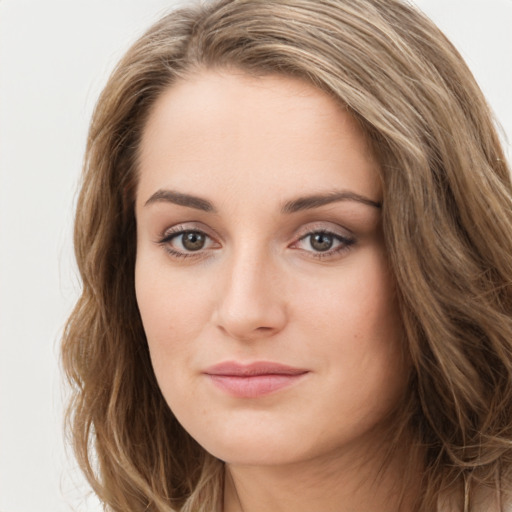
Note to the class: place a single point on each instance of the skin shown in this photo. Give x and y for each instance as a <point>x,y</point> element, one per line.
<point>260,290</point>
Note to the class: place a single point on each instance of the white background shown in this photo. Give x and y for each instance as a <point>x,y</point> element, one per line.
<point>55,56</point>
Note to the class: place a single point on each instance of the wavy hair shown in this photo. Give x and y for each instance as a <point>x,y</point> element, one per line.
<point>447,217</point>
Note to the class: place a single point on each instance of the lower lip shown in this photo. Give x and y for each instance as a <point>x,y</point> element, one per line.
<point>254,386</point>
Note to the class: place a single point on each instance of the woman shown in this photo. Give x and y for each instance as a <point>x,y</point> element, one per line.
<point>294,235</point>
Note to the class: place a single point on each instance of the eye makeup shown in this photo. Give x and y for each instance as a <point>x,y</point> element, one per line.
<point>319,240</point>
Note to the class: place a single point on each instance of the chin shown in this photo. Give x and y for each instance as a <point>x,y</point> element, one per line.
<point>266,446</point>
<point>241,454</point>
<point>252,447</point>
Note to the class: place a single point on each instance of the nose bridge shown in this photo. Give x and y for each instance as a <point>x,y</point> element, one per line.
<point>250,304</point>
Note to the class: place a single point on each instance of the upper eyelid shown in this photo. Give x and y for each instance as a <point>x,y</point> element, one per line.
<point>187,226</point>
<point>325,227</point>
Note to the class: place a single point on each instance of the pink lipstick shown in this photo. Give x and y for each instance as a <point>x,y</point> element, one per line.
<point>255,379</point>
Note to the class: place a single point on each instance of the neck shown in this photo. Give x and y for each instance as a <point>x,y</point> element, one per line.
<point>335,483</point>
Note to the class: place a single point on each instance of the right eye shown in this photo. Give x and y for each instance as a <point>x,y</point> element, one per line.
<point>186,242</point>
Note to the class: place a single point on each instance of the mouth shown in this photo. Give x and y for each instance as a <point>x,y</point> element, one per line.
<point>255,379</point>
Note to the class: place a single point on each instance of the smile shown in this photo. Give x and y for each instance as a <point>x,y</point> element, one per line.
<point>253,380</point>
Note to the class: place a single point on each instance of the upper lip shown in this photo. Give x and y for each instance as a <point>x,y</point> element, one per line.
<point>235,369</point>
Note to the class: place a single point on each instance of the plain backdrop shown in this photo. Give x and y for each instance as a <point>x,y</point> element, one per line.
<point>55,56</point>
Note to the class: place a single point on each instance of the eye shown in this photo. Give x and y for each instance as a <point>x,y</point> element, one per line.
<point>181,242</point>
<point>190,240</point>
<point>323,243</point>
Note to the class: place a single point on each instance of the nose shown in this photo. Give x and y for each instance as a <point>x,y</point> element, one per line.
<point>251,302</point>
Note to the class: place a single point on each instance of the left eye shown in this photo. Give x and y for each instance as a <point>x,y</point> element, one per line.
<point>323,242</point>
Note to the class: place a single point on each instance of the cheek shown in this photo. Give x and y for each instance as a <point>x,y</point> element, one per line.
<point>171,300</point>
<point>357,305</point>
<point>354,329</point>
<point>168,319</point>
<point>171,312</point>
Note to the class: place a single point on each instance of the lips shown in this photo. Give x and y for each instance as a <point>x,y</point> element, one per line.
<point>255,379</point>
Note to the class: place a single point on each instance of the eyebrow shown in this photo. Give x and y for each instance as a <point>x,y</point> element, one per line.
<point>293,206</point>
<point>315,201</point>
<point>171,196</point>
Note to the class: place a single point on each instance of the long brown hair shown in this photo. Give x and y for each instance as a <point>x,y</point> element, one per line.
<point>447,216</point>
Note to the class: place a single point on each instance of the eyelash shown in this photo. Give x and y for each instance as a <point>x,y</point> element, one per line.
<point>345,243</point>
<point>176,232</point>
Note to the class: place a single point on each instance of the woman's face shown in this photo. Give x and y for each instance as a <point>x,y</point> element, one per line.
<point>261,273</point>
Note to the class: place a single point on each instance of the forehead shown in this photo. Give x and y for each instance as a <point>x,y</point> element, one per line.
<point>226,128</point>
